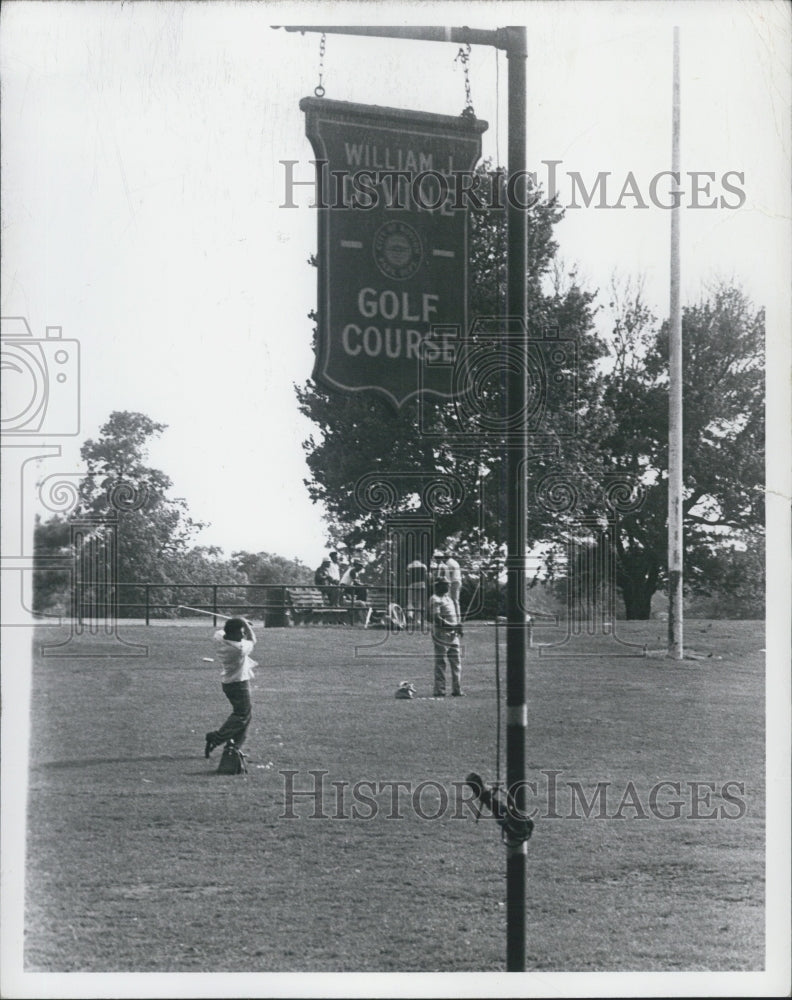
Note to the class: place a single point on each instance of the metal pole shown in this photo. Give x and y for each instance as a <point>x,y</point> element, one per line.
<point>516,460</point>
<point>675,513</point>
<point>514,41</point>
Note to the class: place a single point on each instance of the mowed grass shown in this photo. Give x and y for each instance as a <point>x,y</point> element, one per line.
<point>141,858</point>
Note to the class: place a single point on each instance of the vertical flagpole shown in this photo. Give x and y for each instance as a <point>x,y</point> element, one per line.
<point>516,458</point>
<point>675,458</point>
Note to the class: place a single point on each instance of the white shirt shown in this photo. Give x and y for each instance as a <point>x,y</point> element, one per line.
<point>334,571</point>
<point>453,572</point>
<point>442,607</point>
<point>235,657</point>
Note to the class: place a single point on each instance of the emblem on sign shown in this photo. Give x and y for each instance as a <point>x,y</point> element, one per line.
<point>393,244</point>
<point>397,250</point>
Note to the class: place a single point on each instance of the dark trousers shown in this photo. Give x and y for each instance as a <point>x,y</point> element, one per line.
<point>446,647</point>
<point>236,725</point>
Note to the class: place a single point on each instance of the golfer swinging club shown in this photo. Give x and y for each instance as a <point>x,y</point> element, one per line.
<point>233,645</point>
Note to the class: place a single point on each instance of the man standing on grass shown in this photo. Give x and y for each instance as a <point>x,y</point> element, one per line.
<point>446,631</point>
<point>233,646</point>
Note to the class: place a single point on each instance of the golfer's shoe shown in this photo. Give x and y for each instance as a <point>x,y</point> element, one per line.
<point>459,694</point>
<point>211,743</point>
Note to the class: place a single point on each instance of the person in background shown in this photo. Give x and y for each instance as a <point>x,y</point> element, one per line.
<point>453,574</point>
<point>334,574</point>
<point>416,591</point>
<point>322,576</point>
<point>349,582</point>
<point>445,567</point>
<point>352,590</point>
<point>446,632</point>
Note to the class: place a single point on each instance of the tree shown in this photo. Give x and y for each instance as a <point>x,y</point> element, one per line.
<point>154,529</point>
<point>269,571</point>
<point>266,568</point>
<point>51,541</point>
<point>723,436</point>
<point>121,493</point>
<point>210,573</point>
<point>730,581</point>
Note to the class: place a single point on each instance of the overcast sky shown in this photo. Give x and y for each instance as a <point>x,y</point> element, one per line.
<point>142,185</point>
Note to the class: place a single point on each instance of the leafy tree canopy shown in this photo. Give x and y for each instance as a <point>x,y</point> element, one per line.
<point>723,434</point>
<point>267,568</point>
<point>155,529</point>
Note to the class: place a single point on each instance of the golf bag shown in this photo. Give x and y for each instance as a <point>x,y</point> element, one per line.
<point>232,761</point>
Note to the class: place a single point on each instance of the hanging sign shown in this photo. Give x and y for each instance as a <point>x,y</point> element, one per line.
<point>393,190</point>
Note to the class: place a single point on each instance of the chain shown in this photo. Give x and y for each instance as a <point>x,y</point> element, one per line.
<point>319,90</point>
<point>463,56</point>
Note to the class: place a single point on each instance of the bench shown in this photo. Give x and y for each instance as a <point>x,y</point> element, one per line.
<point>307,604</point>
<point>382,610</point>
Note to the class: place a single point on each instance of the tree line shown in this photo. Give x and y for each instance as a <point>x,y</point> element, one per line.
<point>155,538</point>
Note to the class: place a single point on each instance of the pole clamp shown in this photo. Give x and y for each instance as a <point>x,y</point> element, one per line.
<point>516,827</point>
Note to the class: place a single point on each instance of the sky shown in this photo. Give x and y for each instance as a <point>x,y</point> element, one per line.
<point>142,187</point>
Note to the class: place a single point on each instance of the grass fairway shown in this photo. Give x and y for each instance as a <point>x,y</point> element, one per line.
<point>141,858</point>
